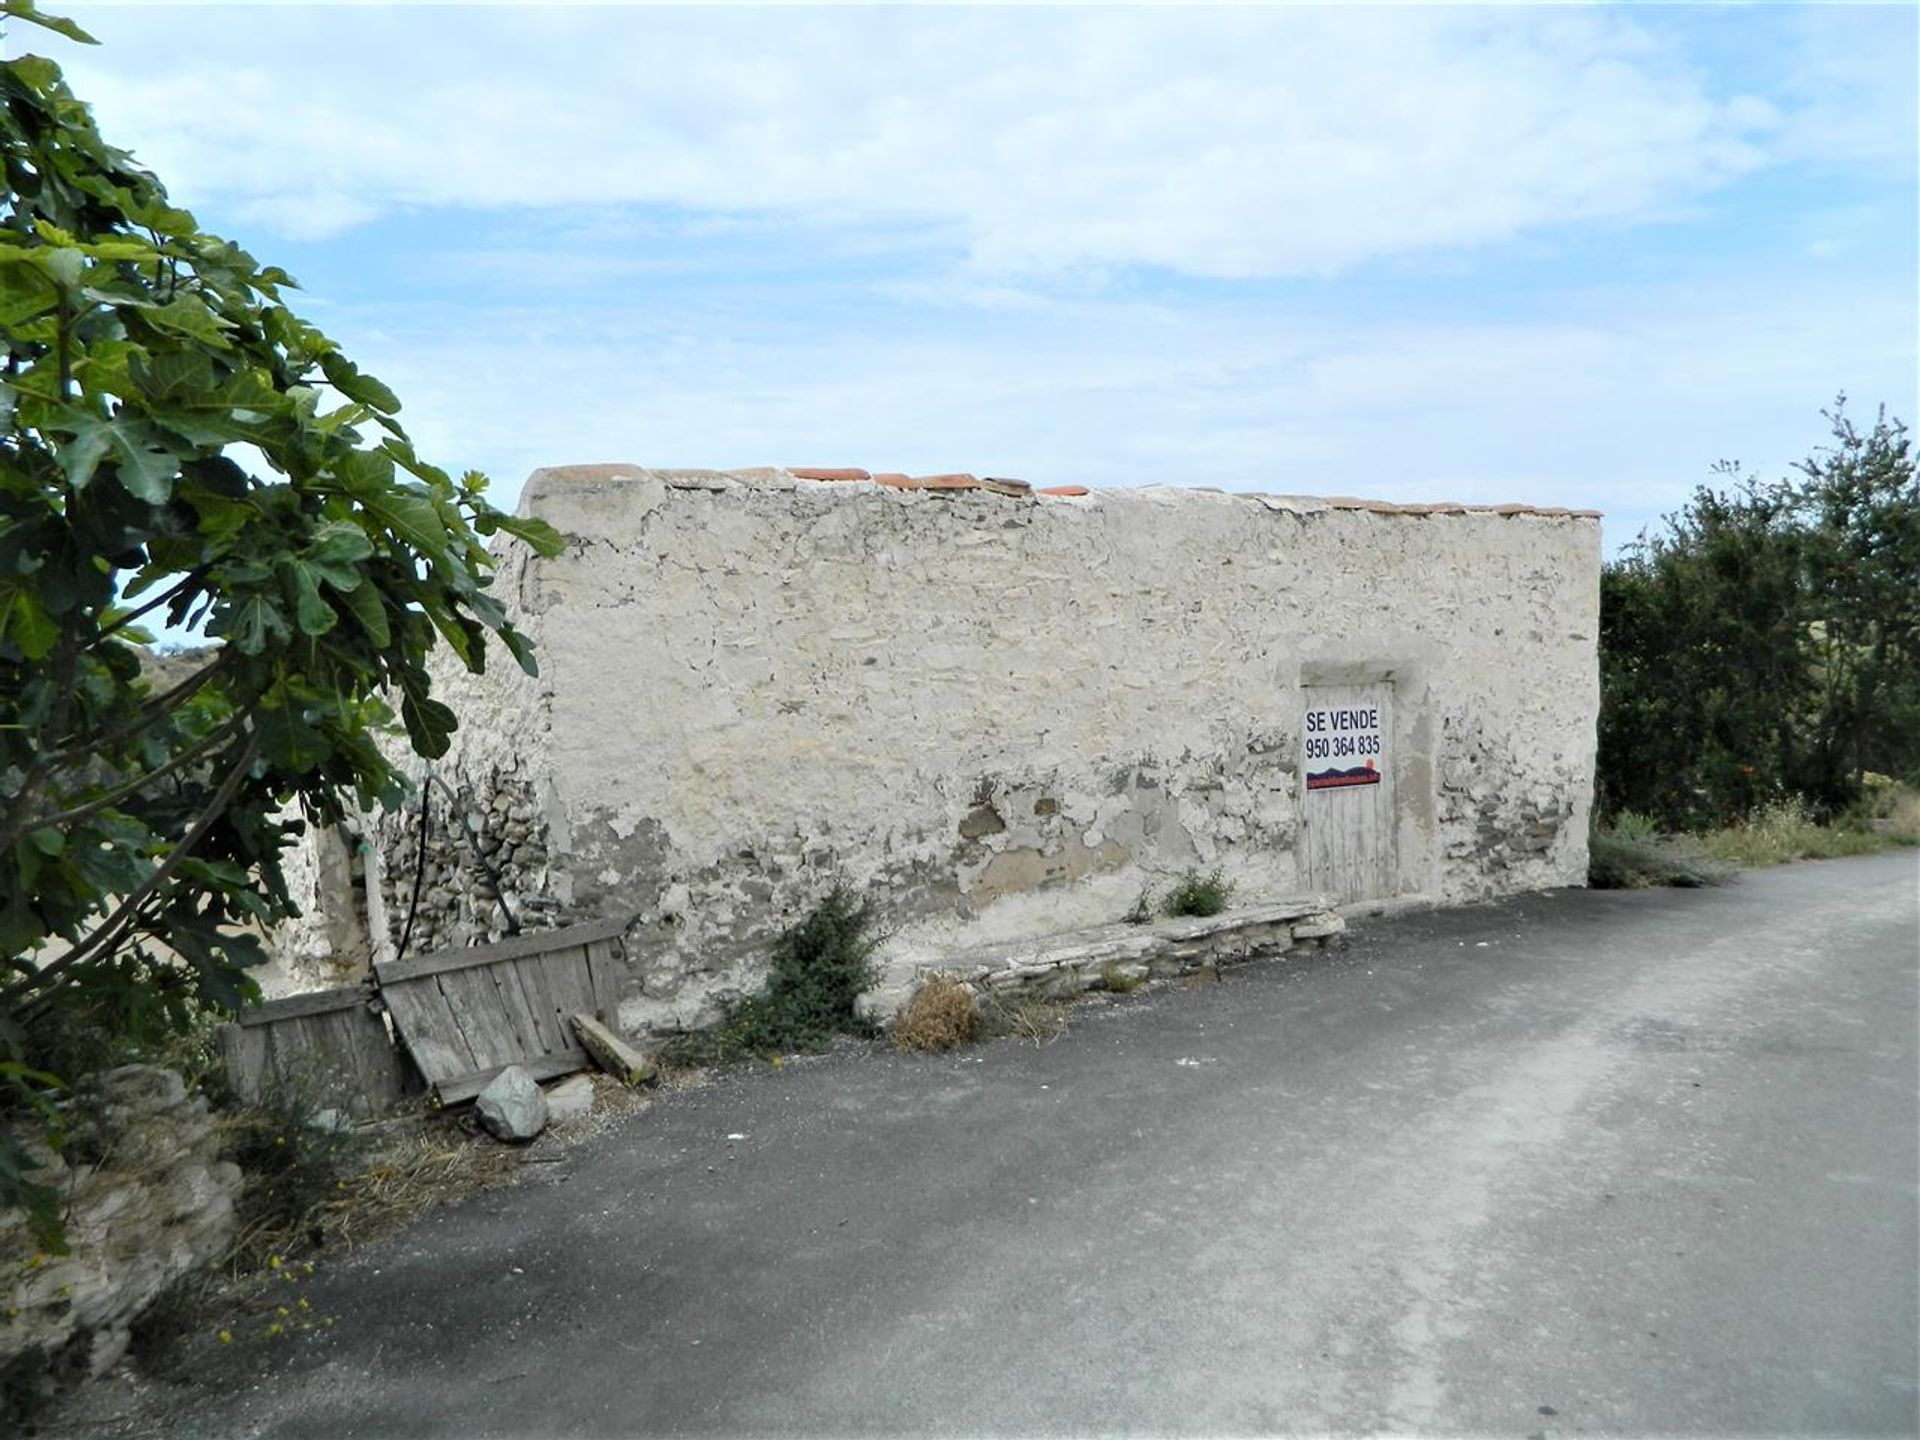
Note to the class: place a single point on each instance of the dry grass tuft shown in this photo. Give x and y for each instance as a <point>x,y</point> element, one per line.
<point>1782,831</point>
<point>941,1016</point>
<point>1022,1015</point>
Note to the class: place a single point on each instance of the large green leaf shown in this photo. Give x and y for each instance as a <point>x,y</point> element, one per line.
<point>347,378</point>
<point>365,603</point>
<point>190,316</point>
<point>311,614</point>
<point>24,621</point>
<point>26,10</point>
<point>289,740</point>
<point>25,291</point>
<point>251,624</point>
<point>338,548</point>
<point>141,460</point>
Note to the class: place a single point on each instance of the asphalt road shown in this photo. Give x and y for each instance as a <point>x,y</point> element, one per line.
<point>1576,1163</point>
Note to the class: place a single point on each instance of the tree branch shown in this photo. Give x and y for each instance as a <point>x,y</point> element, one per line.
<point>114,928</point>
<point>192,577</point>
<point>120,792</point>
<point>140,718</point>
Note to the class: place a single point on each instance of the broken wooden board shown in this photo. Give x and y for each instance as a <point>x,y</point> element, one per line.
<point>465,1015</point>
<point>612,1053</point>
<point>331,1048</point>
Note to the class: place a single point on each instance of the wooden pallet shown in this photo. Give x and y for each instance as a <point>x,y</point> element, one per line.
<point>331,1046</point>
<point>465,1015</point>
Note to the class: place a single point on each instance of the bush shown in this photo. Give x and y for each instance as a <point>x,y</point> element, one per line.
<point>1765,640</point>
<point>1635,856</point>
<point>820,969</point>
<point>1783,830</point>
<point>941,1016</point>
<point>1198,894</point>
<point>293,1158</point>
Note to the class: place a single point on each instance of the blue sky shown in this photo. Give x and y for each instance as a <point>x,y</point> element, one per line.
<point>1561,255</point>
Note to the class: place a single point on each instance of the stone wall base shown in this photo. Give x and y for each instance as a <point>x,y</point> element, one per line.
<point>1081,960</point>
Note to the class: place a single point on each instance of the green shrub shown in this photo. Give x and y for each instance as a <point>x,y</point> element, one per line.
<point>820,968</point>
<point>1198,894</point>
<point>1636,857</point>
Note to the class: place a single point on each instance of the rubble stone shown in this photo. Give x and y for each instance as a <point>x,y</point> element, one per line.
<point>512,1106</point>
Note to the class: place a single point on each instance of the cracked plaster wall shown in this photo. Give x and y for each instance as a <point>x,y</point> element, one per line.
<point>1003,717</point>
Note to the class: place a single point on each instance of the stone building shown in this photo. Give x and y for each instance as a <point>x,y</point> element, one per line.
<point>997,712</point>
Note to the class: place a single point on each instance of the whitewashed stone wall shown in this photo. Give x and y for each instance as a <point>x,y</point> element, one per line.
<point>1002,716</point>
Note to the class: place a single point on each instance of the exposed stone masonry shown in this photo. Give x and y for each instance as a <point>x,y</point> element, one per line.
<point>147,1199</point>
<point>1498,835</point>
<point>1082,960</point>
<point>488,842</point>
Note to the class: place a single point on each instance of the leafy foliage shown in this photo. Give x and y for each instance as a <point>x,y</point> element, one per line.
<point>1198,894</point>
<point>1631,854</point>
<point>820,967</point>
<point>180,445</point>
<point>1766,644</point>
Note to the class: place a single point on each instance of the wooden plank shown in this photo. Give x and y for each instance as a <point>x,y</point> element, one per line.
<point>475,1002</point>
<point>518,1006</point>
<point>531,977</point>
<point>553,1020</point>
<point>539,941</point>
<point>606,973</point>
<point>365,1076</point>
<point>569,983</point>
<point>318,1003</point>
<point>541,1067</point>
<point>244,1054</point>
<point>428,1030</point>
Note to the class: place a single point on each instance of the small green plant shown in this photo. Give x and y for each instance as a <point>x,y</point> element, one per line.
<point>820,968</point>
<point>294,1160</point>
<point>1121,981</point>
<point>941,1016</point>
<point>1198,894</point>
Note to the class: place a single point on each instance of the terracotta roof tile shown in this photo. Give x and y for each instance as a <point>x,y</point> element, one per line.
<point>954,481</point>
<point>1000,486</point>
<point>805,474</point>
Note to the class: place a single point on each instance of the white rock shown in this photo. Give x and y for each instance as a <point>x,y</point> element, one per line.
<point>512,1107</point>
<point>571,1098</point>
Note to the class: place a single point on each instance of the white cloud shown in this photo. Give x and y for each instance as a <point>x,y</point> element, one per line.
<point>1621,402</point>
<point>1242,142</point>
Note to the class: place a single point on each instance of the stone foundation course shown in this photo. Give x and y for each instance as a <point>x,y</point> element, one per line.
<point>1094,959</point>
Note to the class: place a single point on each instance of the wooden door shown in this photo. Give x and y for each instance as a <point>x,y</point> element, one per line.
<point>1346,794</point>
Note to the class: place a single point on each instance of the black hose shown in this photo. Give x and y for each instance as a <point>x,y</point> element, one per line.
<point>419,868</point>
